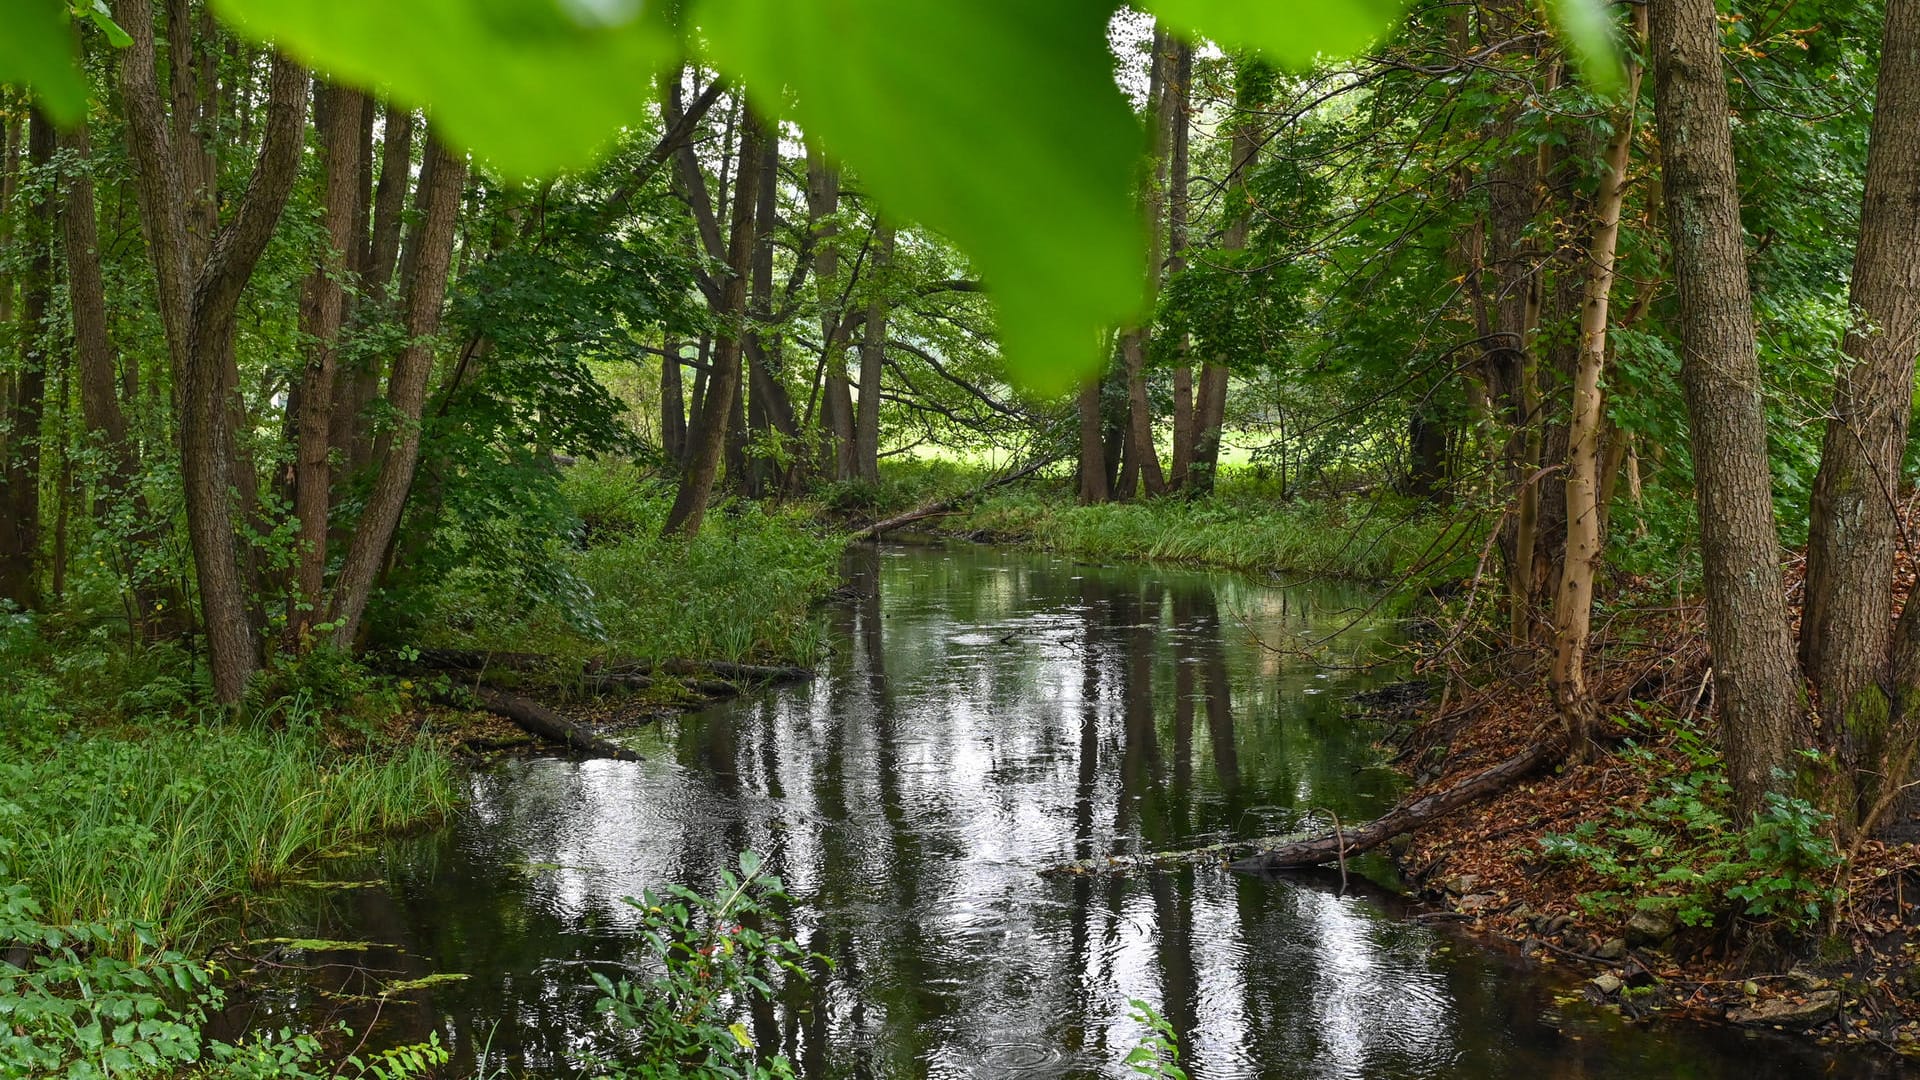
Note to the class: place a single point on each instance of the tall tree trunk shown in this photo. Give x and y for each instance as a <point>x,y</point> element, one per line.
<point>23,412</point>
<point>355,388</point>
<point>823,203</point>
<point>322,310</point>
<point>1573,606</point>
<point>866,434</point>
<point>770,399</point>
<point>1757,687</point>
<point>430,260</point>
<point>708,443</point>
<point>1253,86</point>
<point>87,299</point>
<point>1176,101</point>
<point>1142,465</point>
<point>199,279</point>
<point>1853,532</point>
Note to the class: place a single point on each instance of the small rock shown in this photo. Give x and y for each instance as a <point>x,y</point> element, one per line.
<point>1805,980</point>
<point>1522,911</point>
<point>1612,949</point>
<point>1459,884</point>
<point>1649,928</point>
<point>1477,902</point>
<point>1607,985</point>
<point>1558,923</point>
<point>1750,988</point>
<point>1800,1013</point>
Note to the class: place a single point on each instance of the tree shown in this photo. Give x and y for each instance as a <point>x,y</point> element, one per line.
<point>1756,682</point>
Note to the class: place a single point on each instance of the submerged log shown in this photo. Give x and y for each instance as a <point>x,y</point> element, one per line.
<point>539,720</point>
<point>1408,816</point>
<point>630,673</point>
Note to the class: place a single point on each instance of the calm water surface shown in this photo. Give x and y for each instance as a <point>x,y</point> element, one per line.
<point>985,715</point>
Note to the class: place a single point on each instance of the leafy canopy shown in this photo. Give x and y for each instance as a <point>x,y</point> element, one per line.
<point>996,122</point>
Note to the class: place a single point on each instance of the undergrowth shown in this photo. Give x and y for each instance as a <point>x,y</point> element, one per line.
<point>741,590</point>
<point>1373,538</point>
<point>1680,854</point>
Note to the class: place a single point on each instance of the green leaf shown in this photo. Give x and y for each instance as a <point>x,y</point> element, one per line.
<point>1292,34</point>
<point>103,19</point>
<point>1588,27</point>
<point>995,122</point>
<point>36,51</point>
<point>534,86</point>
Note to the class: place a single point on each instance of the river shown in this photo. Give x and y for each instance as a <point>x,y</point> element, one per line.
<point>985,714</point>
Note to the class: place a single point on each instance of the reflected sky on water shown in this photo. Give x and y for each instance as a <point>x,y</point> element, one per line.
<point>985,715</point>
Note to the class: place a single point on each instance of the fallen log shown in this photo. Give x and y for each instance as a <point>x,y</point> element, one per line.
<point>539,720</point>
<point>1408,816</point>
<point>947,506</point>
<point>722,669</point>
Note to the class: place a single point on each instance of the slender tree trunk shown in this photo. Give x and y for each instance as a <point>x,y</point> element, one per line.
<point>866,435</point>
<point>1756,683</point>
<point>443,181</point>
<point>709,442</point>
<point>823,203</point>
<point>87,298</point>
<point>1252,91</point>
<point>673,405</point>
<point>356,387</point>
<point>1176,98</point>
<point>20,477</point>
<point>770,400</point>
<point>1573,607</point>
<point>321,313</point>
<point>1845,634</point>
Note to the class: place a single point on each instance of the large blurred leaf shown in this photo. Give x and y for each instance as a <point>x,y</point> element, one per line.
<point>36,50</point>
<point>1289,32</point>
<point>534,86</point>
<point>1588,27</point>
<point>995,122</point>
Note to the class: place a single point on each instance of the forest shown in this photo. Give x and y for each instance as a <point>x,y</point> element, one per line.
<point>829,538</point>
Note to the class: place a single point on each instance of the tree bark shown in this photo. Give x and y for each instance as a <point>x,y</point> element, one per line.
<point>430,258</point>
<point>1845,635</point>
<point>1093,446</point>
<point>1756,682</point>
<point>1176,102</point>
<point>355,388</point>
<point>24,408</point>
<point>708,443</point>
<point>823,203</point>
<point>1573,604</point>
<point>673,403</point>
<point>321,313</point>
<point>866,434</point>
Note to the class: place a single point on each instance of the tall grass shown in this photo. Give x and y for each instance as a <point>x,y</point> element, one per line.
<point>1372,538</point>
<point>121,803</point>
<point>158,824</point>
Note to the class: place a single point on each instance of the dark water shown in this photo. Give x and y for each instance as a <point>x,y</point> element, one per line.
<point>985,715</point>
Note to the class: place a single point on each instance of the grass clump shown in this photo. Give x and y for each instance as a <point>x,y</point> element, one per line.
<point>138,808</point>
<point>1376,538</point>
<point>741,590</point>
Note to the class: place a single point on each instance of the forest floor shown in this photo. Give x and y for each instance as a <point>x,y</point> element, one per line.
<point>1627,867</point>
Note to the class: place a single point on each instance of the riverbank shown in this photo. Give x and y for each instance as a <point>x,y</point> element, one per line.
<point>1242,526</point>
<point>1630,869</point>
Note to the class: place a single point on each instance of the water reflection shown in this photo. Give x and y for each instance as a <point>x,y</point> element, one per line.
<point>984,715</point>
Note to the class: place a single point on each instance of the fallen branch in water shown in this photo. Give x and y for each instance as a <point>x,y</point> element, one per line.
<point>633,674</point>
<point>1408,816</point>
<point>948,506</point>
<point>539,720</point>
<point>1307,849</point>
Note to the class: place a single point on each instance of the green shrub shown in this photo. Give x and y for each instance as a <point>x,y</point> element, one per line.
<point>1680,852</point>
<point>714,956</point>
